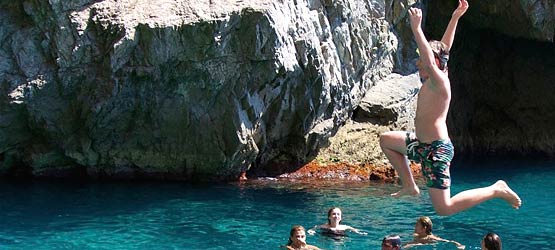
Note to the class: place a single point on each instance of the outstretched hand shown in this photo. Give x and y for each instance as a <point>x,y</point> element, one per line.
<point>463,6</point>
<point>415,16</point>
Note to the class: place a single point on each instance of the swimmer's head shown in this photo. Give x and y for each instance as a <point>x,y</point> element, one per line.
<point>426,223</point>
<point>491,242</point>
<point>392,241</point>
<point>297,234</point>
<point>334,212</point>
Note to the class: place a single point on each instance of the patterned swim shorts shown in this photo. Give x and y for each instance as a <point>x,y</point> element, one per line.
<point>434,158</point>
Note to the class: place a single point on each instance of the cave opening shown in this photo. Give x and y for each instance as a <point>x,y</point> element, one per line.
<point>502,88</point>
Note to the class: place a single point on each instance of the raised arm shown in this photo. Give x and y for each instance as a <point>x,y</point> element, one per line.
<point>449,34</point>
<point>427,60</point>
<point>426,55</point>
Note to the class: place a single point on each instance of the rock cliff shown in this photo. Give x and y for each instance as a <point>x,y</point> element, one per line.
<point>181,89</point>
<point>209,89</point>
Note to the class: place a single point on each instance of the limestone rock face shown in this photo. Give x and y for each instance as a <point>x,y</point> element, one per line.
<point>391,102</point>
<point>181,89</point>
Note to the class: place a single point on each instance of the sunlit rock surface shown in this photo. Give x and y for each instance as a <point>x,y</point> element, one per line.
<point>181,89</point>
<point>209,89</point>
<point>391,102</point>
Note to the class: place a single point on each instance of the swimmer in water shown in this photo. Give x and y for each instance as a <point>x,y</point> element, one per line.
<point>423,234</point>
<point>333,228</point>
<point>491,241</point>
<point>392,241</point>
<point>297,240</point>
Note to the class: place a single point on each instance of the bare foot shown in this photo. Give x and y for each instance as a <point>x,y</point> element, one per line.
<point>505,192</point>
<point>407,191</point>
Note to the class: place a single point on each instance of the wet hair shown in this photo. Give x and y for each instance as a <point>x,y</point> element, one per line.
<point>329,214</point>
<point>441,53</point>
<point>294,229</point>
<point>394,239</point>
<point>426,222</point>
<point>492,241</point>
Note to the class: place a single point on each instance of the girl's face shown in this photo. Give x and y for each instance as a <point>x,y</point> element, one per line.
<point>299,237</point>
<point>335,215</point>
<point>419,228</point>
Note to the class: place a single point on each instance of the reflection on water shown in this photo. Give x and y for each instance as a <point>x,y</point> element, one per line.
<point>259,214</point>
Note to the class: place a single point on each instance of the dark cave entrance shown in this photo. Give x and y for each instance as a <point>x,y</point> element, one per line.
<point>503,90</point>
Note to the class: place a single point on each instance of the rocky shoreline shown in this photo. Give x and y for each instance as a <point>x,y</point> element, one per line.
<point>353,154</point>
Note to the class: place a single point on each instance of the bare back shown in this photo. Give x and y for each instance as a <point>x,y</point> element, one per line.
<point>432,107</point>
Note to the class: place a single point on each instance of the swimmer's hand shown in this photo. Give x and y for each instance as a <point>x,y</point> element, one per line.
<point>358,231</point>
<point>311,231</point>
<point>352,229</point>
<point>459,245</point>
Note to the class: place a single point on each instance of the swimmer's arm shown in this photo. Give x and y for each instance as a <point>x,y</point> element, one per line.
<point>352,229</point>
<point>459,245</point>
<point>437,238</point>
<point>312,231</point>
<point>449,34</point>
<point>412,244</point>
<point>313,247</point>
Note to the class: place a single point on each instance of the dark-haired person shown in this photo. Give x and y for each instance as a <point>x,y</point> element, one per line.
<point>491,241</point>
<point>392,241</point>
<point>333,227</point>
<point>423,234</point>
<point>430,144</point>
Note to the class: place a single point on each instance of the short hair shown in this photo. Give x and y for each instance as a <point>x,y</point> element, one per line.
<point>296,228</point>
<point>492,241</point>
<point>426,222</point>
<point>394,239</point>
<point>441,52</point>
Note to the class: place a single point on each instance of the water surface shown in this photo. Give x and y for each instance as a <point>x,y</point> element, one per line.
<point>259,214</point>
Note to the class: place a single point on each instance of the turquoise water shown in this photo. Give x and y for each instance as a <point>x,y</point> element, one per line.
<point>259,214</point>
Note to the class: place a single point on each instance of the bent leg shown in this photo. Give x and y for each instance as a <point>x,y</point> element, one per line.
<point>394,147</point>
<point>446,205</point>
